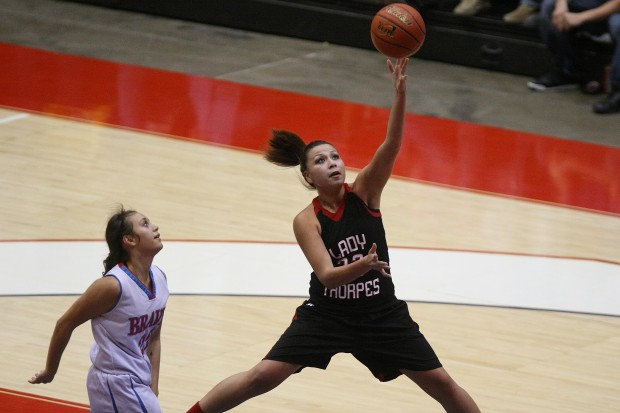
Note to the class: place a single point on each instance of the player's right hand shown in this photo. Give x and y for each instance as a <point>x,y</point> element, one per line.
<point>43,376</point>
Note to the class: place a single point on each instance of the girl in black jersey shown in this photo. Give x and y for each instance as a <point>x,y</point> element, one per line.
<point>352,307</point>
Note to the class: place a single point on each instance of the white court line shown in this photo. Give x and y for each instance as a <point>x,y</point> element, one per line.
<point>221,268</point>
<point>13,118</point>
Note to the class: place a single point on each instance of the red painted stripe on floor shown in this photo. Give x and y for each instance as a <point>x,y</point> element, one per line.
<point>12,401</point>
<point>435,150</point>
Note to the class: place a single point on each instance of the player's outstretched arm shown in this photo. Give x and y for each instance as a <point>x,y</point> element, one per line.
<point>99,298</point>
<point>373,177</point>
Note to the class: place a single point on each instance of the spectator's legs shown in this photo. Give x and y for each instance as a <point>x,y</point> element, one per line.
<point>611,104</point>
<point>614,30</point>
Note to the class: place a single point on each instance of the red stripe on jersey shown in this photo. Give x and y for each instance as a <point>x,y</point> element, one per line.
<point>336,216</point>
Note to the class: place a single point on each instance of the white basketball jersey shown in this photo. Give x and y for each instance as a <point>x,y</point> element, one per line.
<point>122,335</point>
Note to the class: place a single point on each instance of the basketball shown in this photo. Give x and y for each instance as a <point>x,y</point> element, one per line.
<point>398,30</point>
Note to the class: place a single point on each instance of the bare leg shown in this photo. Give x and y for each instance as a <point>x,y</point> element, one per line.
<point>440,386</point>
<point>236,389</point>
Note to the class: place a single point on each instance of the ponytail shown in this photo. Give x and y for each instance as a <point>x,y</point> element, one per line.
<point>287,149</point>
<point>118,226</point>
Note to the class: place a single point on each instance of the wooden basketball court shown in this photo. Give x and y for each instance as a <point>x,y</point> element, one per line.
<point>78,136</point>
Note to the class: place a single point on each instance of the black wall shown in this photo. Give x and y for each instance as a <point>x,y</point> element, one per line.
<point>483,41</point>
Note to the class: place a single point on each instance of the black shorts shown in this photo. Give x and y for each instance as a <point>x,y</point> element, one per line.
<point>384,342</point>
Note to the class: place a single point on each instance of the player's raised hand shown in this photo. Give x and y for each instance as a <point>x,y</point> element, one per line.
<point>399,74</point>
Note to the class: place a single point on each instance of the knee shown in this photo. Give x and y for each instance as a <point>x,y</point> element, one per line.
<point>263,378</point>
<point>442,382</point>
<point>545,23</point>
<point>437,383</point>
<point>614,27</point>
<point>546,9</point>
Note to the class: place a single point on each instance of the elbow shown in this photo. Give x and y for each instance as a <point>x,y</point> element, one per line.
<point>60,324</point>
<point>64,326</point>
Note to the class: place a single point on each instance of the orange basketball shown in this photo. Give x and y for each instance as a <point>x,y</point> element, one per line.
<point>398,30</point>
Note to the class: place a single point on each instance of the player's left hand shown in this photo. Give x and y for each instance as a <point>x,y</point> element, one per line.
<point>372,260</point>
<point>399,76</point>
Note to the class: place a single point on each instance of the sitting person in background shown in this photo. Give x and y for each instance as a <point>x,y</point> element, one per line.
<point>560,21</point>
<point>526,10</point>
<point>471,7</point>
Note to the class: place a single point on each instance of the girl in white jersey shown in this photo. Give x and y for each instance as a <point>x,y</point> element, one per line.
<point>352,307</point>
<point>126,308</point>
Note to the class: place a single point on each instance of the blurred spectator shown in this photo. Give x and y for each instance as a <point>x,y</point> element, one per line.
<point>561,21</point>
<point>527,9</point>
<point>471,7</point>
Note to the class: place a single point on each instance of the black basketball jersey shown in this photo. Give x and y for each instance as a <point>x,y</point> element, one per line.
<point>348,235</point>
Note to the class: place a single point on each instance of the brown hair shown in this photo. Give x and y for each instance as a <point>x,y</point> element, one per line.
<point>118,226</point>
<point>287,149</point>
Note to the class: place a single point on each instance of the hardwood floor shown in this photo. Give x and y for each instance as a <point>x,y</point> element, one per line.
<point>510,360</point>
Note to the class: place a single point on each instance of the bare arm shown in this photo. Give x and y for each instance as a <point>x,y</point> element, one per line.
<point>373,177</point>
<point>307,233</point>
<point>560,6</point>
<point>568,20</point>
<point>559,11</point>
<point>154,353</point>
<point>99,298</point>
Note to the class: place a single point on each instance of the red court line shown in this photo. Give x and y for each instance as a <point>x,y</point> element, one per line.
<point>12,401</point>
<point>447,152</point>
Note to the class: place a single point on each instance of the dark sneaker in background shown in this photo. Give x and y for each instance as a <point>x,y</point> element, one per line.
<point>611,103</point>
<point>555,80</point>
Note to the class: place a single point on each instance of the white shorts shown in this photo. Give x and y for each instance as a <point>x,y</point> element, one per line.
<point>109,393</point>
